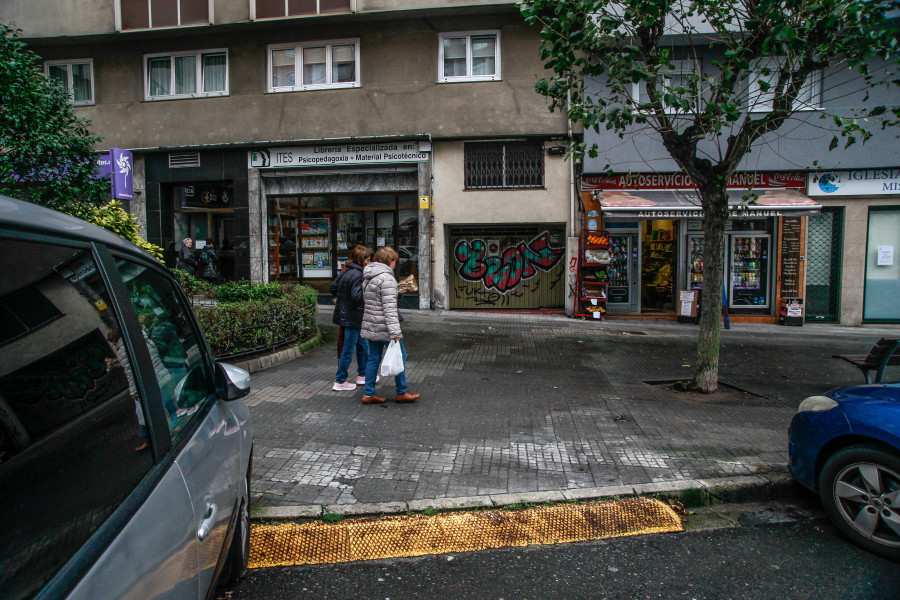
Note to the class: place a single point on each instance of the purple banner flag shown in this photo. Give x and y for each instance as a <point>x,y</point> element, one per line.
<point>122,180</point>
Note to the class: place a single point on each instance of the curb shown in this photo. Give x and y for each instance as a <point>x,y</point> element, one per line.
<point>282,356</point>
<point>690,492</point>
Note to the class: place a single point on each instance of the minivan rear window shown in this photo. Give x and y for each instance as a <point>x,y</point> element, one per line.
<point>73,441</point>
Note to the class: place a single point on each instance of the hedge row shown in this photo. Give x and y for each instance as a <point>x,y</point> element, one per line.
<point>279,314</point>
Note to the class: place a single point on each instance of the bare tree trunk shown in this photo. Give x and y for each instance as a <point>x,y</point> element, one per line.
<point>715,209</point>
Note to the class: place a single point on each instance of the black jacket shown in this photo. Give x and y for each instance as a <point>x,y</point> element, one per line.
<point>347,289</point>
<point>211,266</point>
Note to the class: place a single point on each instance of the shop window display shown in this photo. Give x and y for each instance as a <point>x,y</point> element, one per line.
<point>310,237</point>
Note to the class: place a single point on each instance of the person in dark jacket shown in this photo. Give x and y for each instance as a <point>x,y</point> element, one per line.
<point>347,290</point>
<point>171,255</point>
<point>186,260</point>
<point>208,262</point>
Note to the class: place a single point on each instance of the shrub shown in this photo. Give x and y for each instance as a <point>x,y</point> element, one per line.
<point>244,291</point>
<point>193,286</point>
<point>245,326</point>
<point>189,283</point>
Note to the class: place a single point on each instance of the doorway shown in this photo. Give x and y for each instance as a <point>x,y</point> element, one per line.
<point>658,266</point>
<point>203,225</point>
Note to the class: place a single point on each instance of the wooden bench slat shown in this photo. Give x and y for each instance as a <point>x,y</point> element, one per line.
<point>883,354</point>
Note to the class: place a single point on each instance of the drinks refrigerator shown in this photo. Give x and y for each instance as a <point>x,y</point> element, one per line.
<point>749,271</point>
<point>747,268</point>
<point>622,273</point>
<point>695,262</point>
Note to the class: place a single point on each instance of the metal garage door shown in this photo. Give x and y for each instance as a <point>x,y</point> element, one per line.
<point>507,266</point>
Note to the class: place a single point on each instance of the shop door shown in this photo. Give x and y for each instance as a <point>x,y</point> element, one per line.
<point>622,272</point>
<point>506,267</point>
<point>823,265</point>
<point>658,266</point>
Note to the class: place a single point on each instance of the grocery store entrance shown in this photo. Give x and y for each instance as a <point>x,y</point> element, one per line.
<point>658,266</point>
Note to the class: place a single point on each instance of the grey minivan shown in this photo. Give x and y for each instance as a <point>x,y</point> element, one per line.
<point>125,450</point>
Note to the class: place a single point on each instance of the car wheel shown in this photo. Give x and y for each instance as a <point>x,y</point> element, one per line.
<point>239,553</point>
<point>860,490</point>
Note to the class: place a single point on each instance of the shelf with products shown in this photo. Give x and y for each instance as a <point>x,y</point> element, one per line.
<point>591,274</point>
<point>283,238</point>
<point>315,247</point>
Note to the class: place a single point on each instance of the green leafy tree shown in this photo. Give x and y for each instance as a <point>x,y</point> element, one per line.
<point>600,50</point>
<point>46,153</point>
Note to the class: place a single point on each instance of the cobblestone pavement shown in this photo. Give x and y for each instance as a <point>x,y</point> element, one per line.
<point>522,403</point>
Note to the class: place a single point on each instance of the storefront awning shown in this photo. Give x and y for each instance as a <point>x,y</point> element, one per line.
<point>685,204</point>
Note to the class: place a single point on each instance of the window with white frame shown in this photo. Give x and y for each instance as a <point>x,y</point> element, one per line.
<point>186,75</point>
<point>761,89</point>
<point>76,77</point>
<point>314,66</point>
<point>471,56</point>
<point>683,74</point>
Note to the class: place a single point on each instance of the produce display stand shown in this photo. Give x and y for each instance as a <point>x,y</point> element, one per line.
<point>592,279</point>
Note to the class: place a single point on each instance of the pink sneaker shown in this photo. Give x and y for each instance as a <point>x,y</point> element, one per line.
<point>361,379</point>
<point>344,387</point>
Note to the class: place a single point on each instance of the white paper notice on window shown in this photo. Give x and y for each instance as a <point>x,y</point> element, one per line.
<point>686,308</point>
<point>379,241</point>
<point>885,256</point>
<point>686,295</point>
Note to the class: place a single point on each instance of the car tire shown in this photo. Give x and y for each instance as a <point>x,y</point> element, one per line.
<point>239,553</point>
<point>860,490</point>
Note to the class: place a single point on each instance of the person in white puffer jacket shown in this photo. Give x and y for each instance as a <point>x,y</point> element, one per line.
<point>381,322</point>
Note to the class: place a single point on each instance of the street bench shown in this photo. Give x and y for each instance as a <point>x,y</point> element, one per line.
<point>883,354</point>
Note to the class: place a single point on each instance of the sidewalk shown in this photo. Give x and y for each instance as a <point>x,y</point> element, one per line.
<point>521,407</point>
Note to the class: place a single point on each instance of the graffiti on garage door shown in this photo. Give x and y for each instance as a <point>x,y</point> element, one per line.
<point>523,274</point>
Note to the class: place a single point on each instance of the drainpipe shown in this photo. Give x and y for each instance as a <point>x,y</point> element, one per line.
<point>572,232</point>
<point>431,248</point>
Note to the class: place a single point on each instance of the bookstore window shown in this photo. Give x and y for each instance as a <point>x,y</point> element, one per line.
<point>310,237</point>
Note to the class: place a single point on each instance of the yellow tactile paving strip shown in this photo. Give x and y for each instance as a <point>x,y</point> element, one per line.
<point>283,544</point>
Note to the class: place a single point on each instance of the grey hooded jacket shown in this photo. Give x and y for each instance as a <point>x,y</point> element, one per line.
<point>381,321</point>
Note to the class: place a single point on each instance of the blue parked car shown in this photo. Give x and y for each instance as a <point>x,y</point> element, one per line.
<point>845,445</point>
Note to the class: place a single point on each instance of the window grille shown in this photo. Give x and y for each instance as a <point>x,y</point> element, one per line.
<point>504,165</point>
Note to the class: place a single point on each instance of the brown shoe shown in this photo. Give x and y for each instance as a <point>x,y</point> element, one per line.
<point>407,397</point>
<point>373,400</point>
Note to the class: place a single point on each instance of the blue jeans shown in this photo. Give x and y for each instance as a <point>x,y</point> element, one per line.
<point>376,349</point>
<point>352,342</point>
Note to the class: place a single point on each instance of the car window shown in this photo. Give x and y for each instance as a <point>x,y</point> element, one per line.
<point>73,439</point>
<point>172,340</point>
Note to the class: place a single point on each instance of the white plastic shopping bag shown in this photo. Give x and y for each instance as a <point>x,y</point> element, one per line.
<point>392,364</point>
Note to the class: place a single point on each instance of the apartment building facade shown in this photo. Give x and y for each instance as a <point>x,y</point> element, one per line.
<point>289,131</point>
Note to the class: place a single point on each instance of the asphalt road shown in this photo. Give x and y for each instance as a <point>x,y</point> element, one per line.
<point>772,551</point>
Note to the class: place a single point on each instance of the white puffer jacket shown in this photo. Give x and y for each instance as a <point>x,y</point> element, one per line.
<point>381,322</point>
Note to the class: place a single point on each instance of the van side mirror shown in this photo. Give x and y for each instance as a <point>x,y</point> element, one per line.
<point>232,382</point>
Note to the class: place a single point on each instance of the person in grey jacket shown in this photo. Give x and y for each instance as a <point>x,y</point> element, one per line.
<point>381,322</point>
